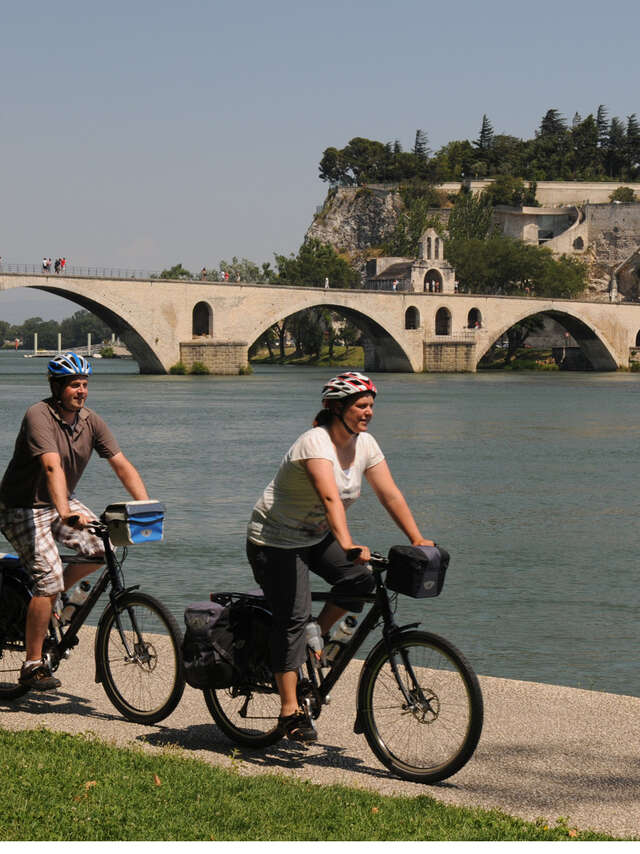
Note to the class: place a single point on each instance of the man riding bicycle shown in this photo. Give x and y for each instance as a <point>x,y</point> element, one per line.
<point>37,507</point>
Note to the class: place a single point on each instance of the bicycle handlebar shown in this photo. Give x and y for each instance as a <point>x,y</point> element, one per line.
<point>94,526</point>
<point>376,558</point>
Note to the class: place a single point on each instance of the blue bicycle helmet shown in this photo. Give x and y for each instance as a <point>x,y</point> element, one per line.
<point>68,365</point>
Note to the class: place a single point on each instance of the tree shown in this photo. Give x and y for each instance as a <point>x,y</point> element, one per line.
<point>587,162</point>
<point>633,146</point>
<point>421,145</point>
<point>176,272</point>
<point>75,329</point>
<point>485,138</point>
<point>243,270</point>
<point>602,123</point>
<point>410,225</point>
<point>518,334</point>
<point>616,149</point>
<point>331,167</point>
<point>507,190</point>
<point>552,124</point>
<point>501,265</point>
<point>471,217</point>
<point>314,262</point>
<point>622,194</point>
<point>551,151</point>
<point>453,161</point>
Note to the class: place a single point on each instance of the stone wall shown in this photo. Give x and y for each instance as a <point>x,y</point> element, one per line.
<point>449,356</point>
<point>218,357</point>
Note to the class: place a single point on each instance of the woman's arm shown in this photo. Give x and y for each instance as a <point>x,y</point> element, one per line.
<point>320,473</point>
<point>394,502</point>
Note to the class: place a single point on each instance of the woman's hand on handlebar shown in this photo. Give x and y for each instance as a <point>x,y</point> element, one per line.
<point>358,554</point>
<point>423,542</point>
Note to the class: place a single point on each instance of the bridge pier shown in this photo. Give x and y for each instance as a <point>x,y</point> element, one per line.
<point>219,357</point>
<point>450,356</point>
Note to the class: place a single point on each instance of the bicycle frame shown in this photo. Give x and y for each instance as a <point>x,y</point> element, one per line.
<point>68,636</point>
<point>381,608</point>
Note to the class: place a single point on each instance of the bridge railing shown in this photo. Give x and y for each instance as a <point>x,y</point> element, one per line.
<point>84,272</point>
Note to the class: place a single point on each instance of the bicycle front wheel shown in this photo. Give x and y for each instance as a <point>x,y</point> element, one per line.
<point>13,614</point>
<point>248,716</point>
<point>142,676</point>
<point>429,730</point>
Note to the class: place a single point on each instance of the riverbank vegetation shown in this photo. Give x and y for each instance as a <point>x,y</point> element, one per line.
<point>341,357</point>
<point>101,792</point>
<point>74,331</point>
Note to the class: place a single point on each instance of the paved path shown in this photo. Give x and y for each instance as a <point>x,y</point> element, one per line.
<point>545,750</point>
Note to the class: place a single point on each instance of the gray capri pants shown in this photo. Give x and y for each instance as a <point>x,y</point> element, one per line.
<point>283,575</point>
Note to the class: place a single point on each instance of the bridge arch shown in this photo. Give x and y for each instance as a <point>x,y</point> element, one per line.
<point>598,352</point>
<point>382,351</point>
<point>140,349</point>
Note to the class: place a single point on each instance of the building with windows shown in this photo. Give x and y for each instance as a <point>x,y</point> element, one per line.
<point>430,272</point>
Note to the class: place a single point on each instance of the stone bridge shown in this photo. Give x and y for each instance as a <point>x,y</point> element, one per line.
<point>166,321</point>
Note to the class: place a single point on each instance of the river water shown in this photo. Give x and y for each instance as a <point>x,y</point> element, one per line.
<point>529,479</point>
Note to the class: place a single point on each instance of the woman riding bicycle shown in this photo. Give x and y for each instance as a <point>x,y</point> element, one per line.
<point>299,524</point>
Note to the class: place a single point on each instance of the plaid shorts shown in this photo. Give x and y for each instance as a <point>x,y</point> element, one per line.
<point>33,533</point>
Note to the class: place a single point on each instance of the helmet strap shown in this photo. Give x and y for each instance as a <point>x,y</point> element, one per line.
<point>344,423</point>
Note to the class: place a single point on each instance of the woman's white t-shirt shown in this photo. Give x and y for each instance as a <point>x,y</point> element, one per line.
<point>290,513</point>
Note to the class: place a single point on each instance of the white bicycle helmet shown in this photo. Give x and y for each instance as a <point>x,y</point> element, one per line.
<point>347,384</point>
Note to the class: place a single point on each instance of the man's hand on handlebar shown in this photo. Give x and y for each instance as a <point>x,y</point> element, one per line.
<point>79,521</point>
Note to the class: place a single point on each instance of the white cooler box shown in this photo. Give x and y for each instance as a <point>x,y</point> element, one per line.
<point>133,522</point>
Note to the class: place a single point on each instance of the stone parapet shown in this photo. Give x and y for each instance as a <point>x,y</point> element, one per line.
<point>219,357</point>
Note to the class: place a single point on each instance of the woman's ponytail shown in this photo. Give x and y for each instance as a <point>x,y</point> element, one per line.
<point>322,418</point>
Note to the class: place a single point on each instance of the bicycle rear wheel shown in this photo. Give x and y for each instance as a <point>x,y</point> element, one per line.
<point>431,735</point>
<point>147,682</point>
<point>248,715</point>
<point>13,614</point>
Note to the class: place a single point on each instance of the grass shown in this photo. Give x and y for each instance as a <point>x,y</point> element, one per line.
<point>351,357</point>
<point>61,787</point>
<point>525,359</point>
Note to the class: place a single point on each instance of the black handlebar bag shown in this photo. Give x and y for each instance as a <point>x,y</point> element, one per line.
<point>417,571</point>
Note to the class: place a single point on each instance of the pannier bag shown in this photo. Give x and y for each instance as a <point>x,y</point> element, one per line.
<point>417,571</point>
<point>226,642</point>
<point>207,648</point>
<point>134,522</point>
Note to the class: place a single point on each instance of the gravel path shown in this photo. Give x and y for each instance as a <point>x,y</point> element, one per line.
<point>546,751</point>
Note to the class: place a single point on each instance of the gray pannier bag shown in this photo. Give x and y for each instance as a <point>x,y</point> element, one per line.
<point>207,648</point>
<point>417,571</point>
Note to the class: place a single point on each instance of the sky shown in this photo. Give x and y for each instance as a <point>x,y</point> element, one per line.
<point>141,134</point>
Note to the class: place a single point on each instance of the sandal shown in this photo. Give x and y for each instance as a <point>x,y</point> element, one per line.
<point>297,727</point>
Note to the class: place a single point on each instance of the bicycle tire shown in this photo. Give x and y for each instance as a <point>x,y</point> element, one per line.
<point>434,738</point>
<point>13,614</point>
<point>149,688</point>
<point>247,716</point>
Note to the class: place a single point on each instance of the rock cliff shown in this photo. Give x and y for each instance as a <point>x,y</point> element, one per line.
<point>353,219</point>
<point>357,220</point>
